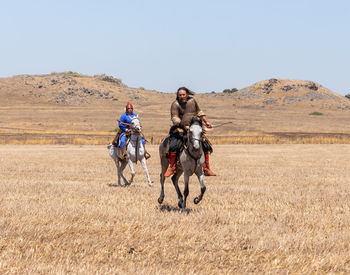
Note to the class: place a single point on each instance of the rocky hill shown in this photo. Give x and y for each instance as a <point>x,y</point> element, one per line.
<point>286,92</point>
<point>74,108</point>
<point>74,89</point>
<point>67,88</point>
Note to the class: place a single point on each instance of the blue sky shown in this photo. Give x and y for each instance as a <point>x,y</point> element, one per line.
<point>204,45</point>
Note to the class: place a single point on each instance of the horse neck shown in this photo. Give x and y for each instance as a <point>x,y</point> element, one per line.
<point>135,136</point>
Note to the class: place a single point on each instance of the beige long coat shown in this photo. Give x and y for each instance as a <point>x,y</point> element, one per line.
<point>183,112</point>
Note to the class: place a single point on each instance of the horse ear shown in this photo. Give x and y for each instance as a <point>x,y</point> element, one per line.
<point>192,120</point>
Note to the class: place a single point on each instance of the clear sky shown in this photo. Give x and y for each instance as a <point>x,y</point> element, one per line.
<point>159,44</point>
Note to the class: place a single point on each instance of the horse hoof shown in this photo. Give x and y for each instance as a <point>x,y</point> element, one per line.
<point>196,200</point>
<point>150,184</point>
<point>179,205</point>
<point>160,200</point>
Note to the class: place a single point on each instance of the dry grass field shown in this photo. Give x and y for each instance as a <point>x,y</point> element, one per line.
<point>280,209</point>
<point>92,124</point>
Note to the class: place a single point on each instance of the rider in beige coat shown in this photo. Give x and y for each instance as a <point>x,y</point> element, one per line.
<point>182,110</point>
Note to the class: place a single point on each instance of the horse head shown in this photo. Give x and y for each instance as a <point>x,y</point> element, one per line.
<point>136,125</point>
<point>195,132</point>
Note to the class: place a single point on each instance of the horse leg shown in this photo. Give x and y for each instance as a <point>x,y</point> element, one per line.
<point>203,188</point>
<point>116,160</point>
<point>121,169</point>
<point>175,180</point>
<point>164,163</point>
<point>186,191</point>
<point>143,163</point>
<point>131,165</point>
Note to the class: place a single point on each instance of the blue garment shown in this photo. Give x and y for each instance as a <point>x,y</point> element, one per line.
<point>122,140</point>
<point>126,118</point>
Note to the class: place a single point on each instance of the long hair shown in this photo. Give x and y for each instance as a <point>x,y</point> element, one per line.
<point>188,92</point>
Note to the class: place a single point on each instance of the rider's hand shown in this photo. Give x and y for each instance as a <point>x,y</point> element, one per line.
<point>187,128</point>
<point>208,125</point>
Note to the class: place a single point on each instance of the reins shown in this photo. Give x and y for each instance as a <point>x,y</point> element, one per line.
<point>188,145</point>
<point>221,124</point>
<point>134,132</point>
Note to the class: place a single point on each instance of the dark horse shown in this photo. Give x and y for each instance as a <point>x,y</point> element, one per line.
<point>191,162</point>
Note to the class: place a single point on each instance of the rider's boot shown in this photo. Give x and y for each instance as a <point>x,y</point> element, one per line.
<point>123,152</point>
<point>172,167</point>
<point>206,169</point>
<point>146,154</point>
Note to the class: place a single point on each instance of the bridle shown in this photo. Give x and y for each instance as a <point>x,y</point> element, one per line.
<point>189,142</point>
<point>137,132</point>
<point>193,138</point>
<point>133,125</point>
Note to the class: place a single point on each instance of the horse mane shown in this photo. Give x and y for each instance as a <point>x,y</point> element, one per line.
<point>197,120</point>
<point>174,127</point>
<point>194,120</point>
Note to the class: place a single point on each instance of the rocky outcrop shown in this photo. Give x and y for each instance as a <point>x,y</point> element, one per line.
<point>110,79</point>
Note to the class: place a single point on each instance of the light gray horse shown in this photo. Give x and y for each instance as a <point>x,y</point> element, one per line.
<point>135,151</point>
<point>191,162</point>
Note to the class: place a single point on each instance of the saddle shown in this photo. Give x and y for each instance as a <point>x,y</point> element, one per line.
<point>116,139</point>
<point>180,133</point>
<point>207,147</point>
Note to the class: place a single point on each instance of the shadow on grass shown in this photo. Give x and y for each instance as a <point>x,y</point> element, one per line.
<point>124,186</point>
<point>114,185</point>
<point>169,208</point>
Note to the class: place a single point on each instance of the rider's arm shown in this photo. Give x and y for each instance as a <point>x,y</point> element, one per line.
<point>201,114</point>
<point>174,111</point>
<point>204,118</point>
<point>122,126</point>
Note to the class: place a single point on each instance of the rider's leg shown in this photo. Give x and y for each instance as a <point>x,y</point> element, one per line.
<point>172,167</point>
<point>172,157</point>
<point>122,144</point>
<point>206,167</point>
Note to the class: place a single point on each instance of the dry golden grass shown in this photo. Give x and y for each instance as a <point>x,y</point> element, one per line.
<point>272,209</point>
<point>101,139</point>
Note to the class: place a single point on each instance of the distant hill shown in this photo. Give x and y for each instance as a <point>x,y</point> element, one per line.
<point>287,92</point>
<point>70,88</point>
<point>67,88</point>
<point>73,108</point>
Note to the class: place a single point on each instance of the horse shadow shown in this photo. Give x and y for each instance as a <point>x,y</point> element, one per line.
<point>169,208</point>
<point>124,185</point>
<point>115,185</point>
